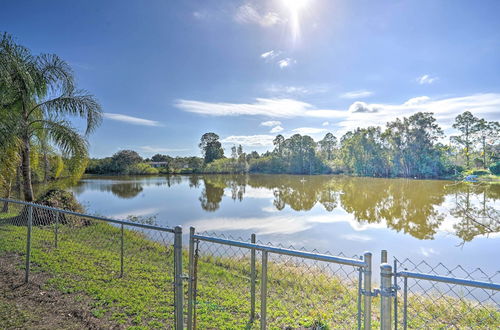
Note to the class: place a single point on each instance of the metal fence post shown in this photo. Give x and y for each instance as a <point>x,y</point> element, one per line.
<point>263,292</point>
<point>253,277</point>
<point>121,252</point>
<point>367,290</point>
<point>405,302</point>
<point>383,257</point>
<point>28,243</point>
<point>385,296</point>
<point>360,293</point>
<point>179,322</point>
<point>56,230</point>
<point>191,279</point>
<point>396,294</point>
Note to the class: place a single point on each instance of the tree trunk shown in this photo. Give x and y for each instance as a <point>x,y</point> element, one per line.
<point>484,153</point>
<point>45,167</point>
<point>26,171</point>
<point>5,207</point>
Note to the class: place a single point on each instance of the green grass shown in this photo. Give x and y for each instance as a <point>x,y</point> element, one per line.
<point>87,261</point>
<point>11,316</point>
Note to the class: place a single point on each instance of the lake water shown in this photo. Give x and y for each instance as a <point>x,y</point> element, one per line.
<point>431,220</point>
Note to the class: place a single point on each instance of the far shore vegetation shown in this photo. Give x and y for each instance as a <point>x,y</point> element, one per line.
<point>410,147</point>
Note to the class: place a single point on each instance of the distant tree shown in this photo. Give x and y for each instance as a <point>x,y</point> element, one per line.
<point>467,124</point>
<point>278,144</point>
<point>234,153</point>
<point>210,147</point>
<point>363,153</point>
<point>488,135</point>
<point>159,158</point>
<point>124,159</point>
<point>328,145</point>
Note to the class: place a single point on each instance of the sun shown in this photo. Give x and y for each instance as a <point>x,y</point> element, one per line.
<point>296,5</point>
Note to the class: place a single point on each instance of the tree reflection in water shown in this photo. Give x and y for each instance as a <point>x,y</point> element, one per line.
<point>415,207</point>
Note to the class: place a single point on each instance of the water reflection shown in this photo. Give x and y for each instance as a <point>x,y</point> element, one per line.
<point>415,207</point>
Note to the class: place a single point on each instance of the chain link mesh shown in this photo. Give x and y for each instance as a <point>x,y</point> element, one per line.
<point>432,305</point>
<point>126,269</point>
<point>301,293</point>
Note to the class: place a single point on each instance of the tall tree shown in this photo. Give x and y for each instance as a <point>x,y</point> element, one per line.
<point>210,147</point>
<point>328,145</point>
<point>488,135</point>
<point>123,159</point>
<point>467,124</point>
<point>38,93</point>
<point>278,144</point>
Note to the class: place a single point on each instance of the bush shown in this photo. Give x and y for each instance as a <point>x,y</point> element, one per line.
<point>495,168</point>
<point>142,168</point>
<point>61,199</point>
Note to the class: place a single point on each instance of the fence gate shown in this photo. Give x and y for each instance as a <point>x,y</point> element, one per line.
<point>238,283</point>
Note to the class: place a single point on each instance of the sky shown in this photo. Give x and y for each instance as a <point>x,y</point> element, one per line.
<point>165,72</point>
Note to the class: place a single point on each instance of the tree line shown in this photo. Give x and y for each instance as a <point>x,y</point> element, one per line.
<point>408,147</point>
<point>412,147</point>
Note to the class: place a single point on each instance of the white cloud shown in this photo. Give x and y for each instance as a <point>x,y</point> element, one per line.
<point>151,149</point>
<point>281,108</point>
<point>247,14</point>
<point>325,123</point>
<point>199,15</point>
<point>295,90</point>
<point>276,129</point>
<point>131,120</point>
<point>426,79</point>
<point>250,140</point>
<point>308,130</point>
<point>285,62</point>
<point>445,110</point>
<point>270,123</point>
<point>356,237</point>
<point>270,54</point>
<point>427,252</point>
<point>417,100</point>
<point>359,106</point>
<point>357,94</point>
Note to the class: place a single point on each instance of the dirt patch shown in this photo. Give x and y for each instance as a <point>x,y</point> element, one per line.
<point>35,306</point>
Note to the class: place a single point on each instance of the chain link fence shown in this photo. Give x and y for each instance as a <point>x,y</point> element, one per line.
<point>127,267</point>
<point>243,283</point>
<point>437,297</point>
<point>136,274</point>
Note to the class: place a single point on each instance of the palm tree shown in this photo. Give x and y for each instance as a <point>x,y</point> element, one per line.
<point>37,94</point>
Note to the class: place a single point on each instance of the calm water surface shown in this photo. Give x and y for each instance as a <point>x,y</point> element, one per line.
<point>436,221</point>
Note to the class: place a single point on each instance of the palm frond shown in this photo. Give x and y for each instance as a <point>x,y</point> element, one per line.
<point>77,103</point>
<point>65,137</point>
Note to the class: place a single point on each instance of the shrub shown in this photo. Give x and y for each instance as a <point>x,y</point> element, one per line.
<point>61,199</point>
<point>495,168</point>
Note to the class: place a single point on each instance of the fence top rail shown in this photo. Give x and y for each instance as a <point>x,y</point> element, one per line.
<point>450,280</point>
<point>289,252</point>
<point>120,222</point>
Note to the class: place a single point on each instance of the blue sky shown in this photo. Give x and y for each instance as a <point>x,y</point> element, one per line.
<point>168,71</point>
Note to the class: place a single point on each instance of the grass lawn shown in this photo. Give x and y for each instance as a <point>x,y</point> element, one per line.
<point>300,295</point>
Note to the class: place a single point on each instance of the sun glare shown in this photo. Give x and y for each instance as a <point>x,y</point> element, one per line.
<point>295,7</point>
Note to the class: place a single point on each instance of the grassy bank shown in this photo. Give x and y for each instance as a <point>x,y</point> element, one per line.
<point>87,261</point>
